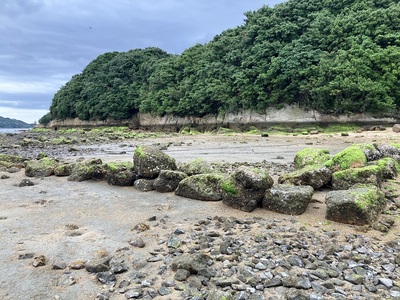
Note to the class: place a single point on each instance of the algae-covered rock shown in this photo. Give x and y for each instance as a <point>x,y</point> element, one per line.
<point>64,169</point>
<point>358,205</point>
<point>149,161</point>
<point>196,166</point>
<point>14,159</point>
<point>351,157</point>
<point>244,189</point>
<point>311,156</point>
<point>316,176</point>
<point>86,170</point>
<point>206,187</point>
<point>40,168</point>
<point>119,173</point>
<point>168,180</point>
<point>390,167</point>
<point>345,179</point>
<point>288,199</point>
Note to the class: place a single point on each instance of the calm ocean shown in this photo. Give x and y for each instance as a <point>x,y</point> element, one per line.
<point>12,130</point>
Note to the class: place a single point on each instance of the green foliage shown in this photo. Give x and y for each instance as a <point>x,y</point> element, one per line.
<point>338,57</point>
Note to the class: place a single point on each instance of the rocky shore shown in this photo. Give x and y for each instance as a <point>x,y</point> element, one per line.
<point>89,240</point>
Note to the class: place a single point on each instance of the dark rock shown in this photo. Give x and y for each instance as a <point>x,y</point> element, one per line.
<point>40,168</point>
<point>181,274</point>
<point>26,182</point>
<point>168,181</point>
<point>98,265</point>
<point>205,187</point>
<point>195,167</point>
<point>120,173</point>
<point>288,199</point>
<point>396,128</point>
<point>245,188</point>
<point>192,263</point>
<point>135,293</point>
<point>63,169</point>
<point>149,161</point>
<point>137,242</point>
<point>358,206</point>
<point>144,185</point>
<point>87,170</point>
<point>106,277</point>
<point>315,176</point>
<point>59,265</point>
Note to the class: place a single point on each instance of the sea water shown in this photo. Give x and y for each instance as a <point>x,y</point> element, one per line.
<point>12,130</point>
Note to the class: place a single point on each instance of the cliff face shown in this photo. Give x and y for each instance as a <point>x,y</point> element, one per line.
<point>289,115</point>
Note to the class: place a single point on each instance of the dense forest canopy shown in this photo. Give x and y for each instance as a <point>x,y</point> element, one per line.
<point>333,56</point>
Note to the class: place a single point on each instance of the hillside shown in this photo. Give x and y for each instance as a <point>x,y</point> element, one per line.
<point>336,57</point>
<point>12,123</point>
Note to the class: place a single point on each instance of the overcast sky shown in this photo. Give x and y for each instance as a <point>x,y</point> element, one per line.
<point>44,42</point>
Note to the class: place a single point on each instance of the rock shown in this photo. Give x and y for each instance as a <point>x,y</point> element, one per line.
<point>396,128</point>
<point>40,168</point>
<point>59,265</point>
<point>135,293</point>
<point>106,277</point>
<point>138,243</point>
<point>316,176</point>
<point>311,157</point>
<point>351,157</point>
<point>119,173</point>
<point>181,274</point>
<point>86,170</point>
<point>389,168</point>
<point>288,199</point>
<point>345,179</point>
<point>392,151</point>
<point>98,265</point>
<point>206,187</point>
<point>195,167</point>
<point>190,262</point>
<point>63,169</point>
<point>144,185</point>
<point>168,181</point>
<point>26,182</point>
<point>149,161</point>
<point>245,188</point>
<point>39,261</point>
<point>357,206</point>
<point>215,294</point>
<point>4,176</point>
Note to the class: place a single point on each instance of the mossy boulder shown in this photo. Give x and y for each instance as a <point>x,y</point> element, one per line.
<point>11,161</point>
<point>86,170</point>
<point>316,176</point>
<point>244,189</point>
<point>288,199</point>
<point>358,205</point>
<point>311,156</point>
<point>343,180</point>
<point>196,166</point>
<point>351,157</point>
<point>64,169</point>
<point>40,167</point>
<point>205,187</point>
<point>168,180</point>
<point>148,161</point>
<point>390,167</point>
<point>120,173</point>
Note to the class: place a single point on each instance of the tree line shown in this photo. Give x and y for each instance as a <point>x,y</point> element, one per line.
<point>337,57</point>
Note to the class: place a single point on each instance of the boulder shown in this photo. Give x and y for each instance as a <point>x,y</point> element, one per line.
<point>390,167</point>
<point>316,176</point>
<point>351,157</point>
<point>190,262</point>
<point>86,170</point>
<point>196,166</point>
<point>396,128</point>
<point>149,161</point>
<point>40,168</point>
<point>206,187</point>
<point>9,161</point>
<point>144,184</point>
<point>357,206</point>
<point>63,169</point>
<point>120,173</point>
<point>288,199</point>
<point>244,189</point>
<point>343,180</point>
<point>311,156</point>
<point>168,180</point>
<point>392,150</point>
